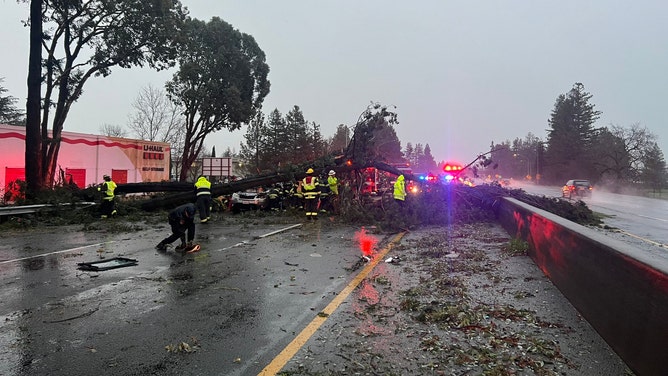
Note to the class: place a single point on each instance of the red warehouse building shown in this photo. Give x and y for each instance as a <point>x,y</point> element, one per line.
<point>85,158</point>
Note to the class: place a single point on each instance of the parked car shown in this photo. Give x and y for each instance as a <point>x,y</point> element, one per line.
<point>252,199</point>
<point>577,187</point>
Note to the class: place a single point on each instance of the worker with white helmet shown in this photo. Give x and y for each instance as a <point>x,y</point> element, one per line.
<point>333,182</point>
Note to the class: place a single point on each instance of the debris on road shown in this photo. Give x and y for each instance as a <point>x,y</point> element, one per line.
<point>116,262</point>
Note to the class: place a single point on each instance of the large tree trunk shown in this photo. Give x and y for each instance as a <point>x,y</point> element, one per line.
<point>33,142</point>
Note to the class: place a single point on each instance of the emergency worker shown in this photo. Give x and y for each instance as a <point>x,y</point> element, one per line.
<point>400,190</point>
<point>325,204</point>
<point>274,197</point>
<point>333,183</point>
<point>182,221</point>
<point>311,194</point>
<point>107,189</point>
<point>296,197</point>
<point>203,202</point>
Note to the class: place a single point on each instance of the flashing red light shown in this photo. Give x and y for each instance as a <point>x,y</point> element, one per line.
<point>366,242</point>
<point>349,162</point>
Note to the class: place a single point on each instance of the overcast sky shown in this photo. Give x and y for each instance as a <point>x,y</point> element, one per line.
<point>461,73</point>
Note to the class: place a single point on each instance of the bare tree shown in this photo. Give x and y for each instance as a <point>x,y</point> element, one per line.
<point>156,118</point>
<point>112,130</point>
<point>638,140</point>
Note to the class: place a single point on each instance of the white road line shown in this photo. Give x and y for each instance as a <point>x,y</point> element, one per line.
<point>279,231</point>
<point>259,237</point>
<point>55,253</point>
<point>99,244</point>
<point>648,217</point>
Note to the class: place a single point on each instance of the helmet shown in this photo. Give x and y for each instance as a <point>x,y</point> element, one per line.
<point>331,172</point>
<point>106,177</point>
<point>309,171</point>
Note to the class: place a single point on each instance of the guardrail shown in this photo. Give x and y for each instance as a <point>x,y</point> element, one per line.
<point>29,209</point>
<point>619,289</point>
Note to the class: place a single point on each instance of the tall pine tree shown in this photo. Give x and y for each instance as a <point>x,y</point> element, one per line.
<point>569,153</point>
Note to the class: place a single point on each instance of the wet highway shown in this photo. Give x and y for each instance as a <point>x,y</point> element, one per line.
<point>642,221</point>
<point>228,309</point>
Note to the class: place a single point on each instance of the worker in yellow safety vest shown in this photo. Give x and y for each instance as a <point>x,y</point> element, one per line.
<point>107,190</point>
<point>311,193</point>
<point>333,183</point>
<point>203,202</point>
<point>400,190</point>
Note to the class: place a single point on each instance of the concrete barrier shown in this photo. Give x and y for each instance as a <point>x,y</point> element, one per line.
<point>619,289</point>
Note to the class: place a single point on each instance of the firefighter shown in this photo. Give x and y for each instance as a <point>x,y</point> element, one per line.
<point>400,190</point>
<point>325,195</point>
<point>274,197</point>
<point>311,193</point>
<point>296,197</point>
<point>107,190</point>
<point>182,221</point>
<point>203,202</point>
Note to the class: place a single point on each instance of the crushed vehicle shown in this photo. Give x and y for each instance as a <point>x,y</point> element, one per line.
<point>251,199</point>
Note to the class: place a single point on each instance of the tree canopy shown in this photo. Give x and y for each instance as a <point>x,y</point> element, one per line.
<point>374,137</point>
<point>571,135</point>
<point>614,156</point>
<point>420,158</point>
<point>9,113</point>
<point>279,141</point>
<point>84,39</point>
<point>221,82</point>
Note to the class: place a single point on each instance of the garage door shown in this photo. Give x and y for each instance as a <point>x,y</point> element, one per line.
<point>77,176</point>
<point>119,176</point>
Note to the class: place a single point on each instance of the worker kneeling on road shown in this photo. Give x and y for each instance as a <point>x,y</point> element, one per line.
<point>181,220</point>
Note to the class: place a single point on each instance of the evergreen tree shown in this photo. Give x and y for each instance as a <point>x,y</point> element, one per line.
<point>339,141</point>
<point>418,154</point>
<point>427,161</point>
<point>253,150</point>
<point>654,173</point>
<point>318,143</point>
<point>297,140</point>
<point>9,113</point>
<point>276,144</point>
<point>409,154</point>
<point>570,137</point>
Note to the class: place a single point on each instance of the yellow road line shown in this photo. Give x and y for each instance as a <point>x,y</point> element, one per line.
<point>643,239</point>
<point>298,342</point>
